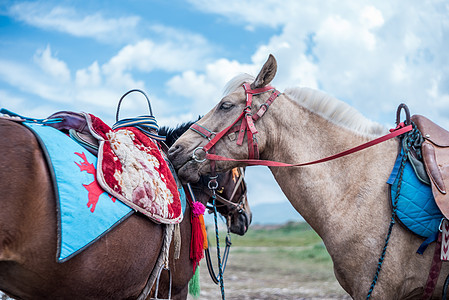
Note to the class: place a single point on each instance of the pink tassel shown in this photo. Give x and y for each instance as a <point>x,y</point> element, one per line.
<point>197,241</point>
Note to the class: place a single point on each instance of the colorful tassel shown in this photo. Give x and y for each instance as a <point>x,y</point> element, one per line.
<point>203,230</point>
<point>194,284</point>
<point>196,245</point>
<point>199,238</point>
<point>198,209</point>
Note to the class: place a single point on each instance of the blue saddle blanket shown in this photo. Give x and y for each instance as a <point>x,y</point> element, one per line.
<point>85,211</point>
<point>416,206</point>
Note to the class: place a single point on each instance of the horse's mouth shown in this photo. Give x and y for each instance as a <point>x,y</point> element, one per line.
<point>189,172</point>
<point>241,226</point>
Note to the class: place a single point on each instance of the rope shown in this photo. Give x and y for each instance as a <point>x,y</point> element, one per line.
<point>8,113</point>
<point>411,137</point>
<point>167,242</point>
<point>220,267</point>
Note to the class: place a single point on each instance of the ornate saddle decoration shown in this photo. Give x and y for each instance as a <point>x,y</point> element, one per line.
<point>131,166</point>
<point>132,169</point>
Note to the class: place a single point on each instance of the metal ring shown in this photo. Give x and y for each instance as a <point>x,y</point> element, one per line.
<point>212,187</point>
<point>197,158</point>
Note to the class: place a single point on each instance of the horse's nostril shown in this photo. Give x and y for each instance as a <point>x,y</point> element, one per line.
<point>173,151</point>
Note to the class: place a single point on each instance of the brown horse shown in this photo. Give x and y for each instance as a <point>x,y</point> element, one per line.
<point>345,200</point>
<point>117,266</point>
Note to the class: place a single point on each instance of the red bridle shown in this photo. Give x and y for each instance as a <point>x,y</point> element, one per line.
<point>247,126</point>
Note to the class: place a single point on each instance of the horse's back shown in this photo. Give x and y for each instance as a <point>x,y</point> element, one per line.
<point>114,267</point>
<point>24,184</point>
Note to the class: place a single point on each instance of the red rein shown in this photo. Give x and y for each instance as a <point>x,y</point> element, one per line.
<point>247,125</point>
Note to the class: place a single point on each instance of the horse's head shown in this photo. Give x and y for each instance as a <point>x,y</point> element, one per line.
<point>231,201</point>
<point>229,128</point>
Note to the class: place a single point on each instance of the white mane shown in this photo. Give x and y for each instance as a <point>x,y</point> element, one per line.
<point>330,108</point>
<point>335,111</point>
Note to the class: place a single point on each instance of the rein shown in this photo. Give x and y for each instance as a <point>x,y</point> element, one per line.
<point>213,184</point>
<point>236,206</point>
<point>247,125</point>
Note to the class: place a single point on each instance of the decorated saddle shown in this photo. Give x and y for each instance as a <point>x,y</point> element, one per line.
<point>130,167</point>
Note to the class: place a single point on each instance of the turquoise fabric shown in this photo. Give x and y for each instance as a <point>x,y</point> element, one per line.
<point>82,220</point>
<point>416,208</point>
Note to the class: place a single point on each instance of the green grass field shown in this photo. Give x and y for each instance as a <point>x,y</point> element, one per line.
<point>291,234</point>
<point>275,262</point>
<point>293,241</point>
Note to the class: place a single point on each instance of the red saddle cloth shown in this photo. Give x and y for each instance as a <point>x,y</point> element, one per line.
<point>132,168</point>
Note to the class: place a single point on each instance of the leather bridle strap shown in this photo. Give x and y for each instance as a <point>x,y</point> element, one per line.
<point>252,162</point>
<point>247,125</point>
<point>229,202</point>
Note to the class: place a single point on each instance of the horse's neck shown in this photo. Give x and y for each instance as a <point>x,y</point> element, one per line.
<point>335,195</point>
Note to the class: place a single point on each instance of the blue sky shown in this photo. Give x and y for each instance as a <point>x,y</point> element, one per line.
<point>83,55</point>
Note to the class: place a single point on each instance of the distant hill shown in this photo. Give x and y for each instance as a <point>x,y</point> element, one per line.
<point>275,213</point>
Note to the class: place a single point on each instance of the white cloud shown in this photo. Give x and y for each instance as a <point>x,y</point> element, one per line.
<point>371,17</point>
<point>25,107</point>
<point>101,85</point>
<point>51,65</point>
<point>89,77</point>
<point>68,20</point>
<point>32,80</point>
<point>383,52</point>
<point>254,13</point>
<point>177,51</point>
<point>206,88</point>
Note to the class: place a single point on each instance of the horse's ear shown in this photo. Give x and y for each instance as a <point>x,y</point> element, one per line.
<point>266,74</point>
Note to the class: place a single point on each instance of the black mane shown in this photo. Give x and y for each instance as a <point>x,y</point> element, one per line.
<point>172,134</point>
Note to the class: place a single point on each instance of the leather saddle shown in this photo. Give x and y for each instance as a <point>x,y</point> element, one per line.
<point>435,152</point>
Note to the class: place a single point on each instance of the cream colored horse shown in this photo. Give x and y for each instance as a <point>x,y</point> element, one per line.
<point>344,200</point>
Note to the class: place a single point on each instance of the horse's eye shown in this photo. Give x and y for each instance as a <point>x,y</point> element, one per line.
<point>226,106</point>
